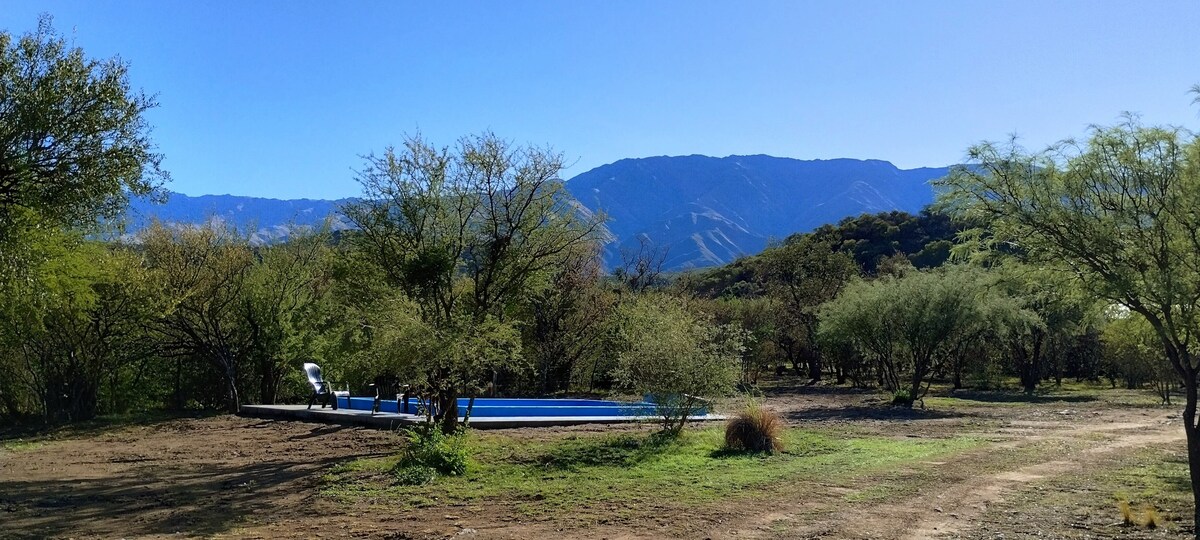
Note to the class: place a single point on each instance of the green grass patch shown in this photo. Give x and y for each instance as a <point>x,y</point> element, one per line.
<point>573,473</point>
<point>1152,476</point>
<point>1071,395</point>
<point>21,445</point>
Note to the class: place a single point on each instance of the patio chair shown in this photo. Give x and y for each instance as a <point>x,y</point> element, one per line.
<point>388,386</point>
<point>323,388</point>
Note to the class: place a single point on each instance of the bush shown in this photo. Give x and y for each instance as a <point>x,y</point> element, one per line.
<point>754,430</point>
<point>902,398</point>
<point>414,475</point>
<point>429,448</point>
<point>674,356</point>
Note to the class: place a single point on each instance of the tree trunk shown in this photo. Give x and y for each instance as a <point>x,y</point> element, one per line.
<point>1193,445</point>
<point>1030,364</point>
<point>178,394</point>
<point>448,409</point>
<point>814,365</point>
<point>914,391</point>
<point>235,401</point>
<point>266,390</point>
<point>467,415</point>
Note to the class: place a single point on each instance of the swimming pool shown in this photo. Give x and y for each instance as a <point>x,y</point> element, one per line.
<point>515,407</point>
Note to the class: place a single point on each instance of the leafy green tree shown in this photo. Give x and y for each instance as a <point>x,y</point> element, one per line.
<point>1119,211</point>
<point>907,326</point>
<point>758,318</point>
<point>74,141</point>
<point>675,357</point>
<point>284,309</point>
<point>564,321</point>
<point>1135,355</point>
<point>803,274</point>
<point>1056,313</point>
<point>74,336</point>
<point>204,274</point>
<point>466,234</point>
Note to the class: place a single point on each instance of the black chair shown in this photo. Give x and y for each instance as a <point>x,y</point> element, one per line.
<point>386,385</point>
<point>322,388</point>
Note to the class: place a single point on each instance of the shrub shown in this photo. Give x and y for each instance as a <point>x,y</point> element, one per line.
<point>902,398</point>
<point>1151,519</point>
<point>1126,512</point>
<point>755,430</point>
<point>414,475</point>
<point>431,449</point>
<point>674,356</point>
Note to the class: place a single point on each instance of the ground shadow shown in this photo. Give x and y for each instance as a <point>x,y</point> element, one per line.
<point>205,500</point>
<point>818,389</point>
<point>36,429</point>
<point>996,396</point>
<point>318,432</point>
<point>620,451</point>
<point>871,412</point>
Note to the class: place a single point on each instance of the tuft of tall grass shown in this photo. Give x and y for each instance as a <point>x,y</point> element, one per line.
<point>1126,512</point>
<point>755,429</point>
<point>1150,517</point>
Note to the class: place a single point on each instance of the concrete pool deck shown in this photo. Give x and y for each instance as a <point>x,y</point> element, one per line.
<point>358,417</point>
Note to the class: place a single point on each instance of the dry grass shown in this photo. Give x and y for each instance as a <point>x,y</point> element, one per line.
<point>1150,517</point>
<point>755,430</point>
<point>1126,512</point>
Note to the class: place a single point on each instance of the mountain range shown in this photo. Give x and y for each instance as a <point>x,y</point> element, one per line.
<point>702,210</point>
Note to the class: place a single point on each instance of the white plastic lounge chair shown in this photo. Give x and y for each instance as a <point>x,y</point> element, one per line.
<point>323,388</point>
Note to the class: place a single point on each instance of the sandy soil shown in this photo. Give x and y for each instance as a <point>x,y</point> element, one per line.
<point>246,478</point>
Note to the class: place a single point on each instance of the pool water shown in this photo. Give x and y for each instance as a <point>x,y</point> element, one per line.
<point>512,407</point>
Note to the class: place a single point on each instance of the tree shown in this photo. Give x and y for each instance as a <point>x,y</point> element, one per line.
<point>74,142</point>
<point>674,356</point>
<point>641,269</point>
<point>908,326</point>
<point>1056,312</point>
<point>803,274</point>
<point>74,145</point>
<point>1120,211</point>
<point>565,321</point>
<point>465,234</point>
<point>758,318</point>
<point>204,276</point>
<point>1135,355</point>
<point>282,307</point>
<point>74,336</point>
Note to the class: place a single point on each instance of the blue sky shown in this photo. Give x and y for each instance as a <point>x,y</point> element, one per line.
<point>280,99</point>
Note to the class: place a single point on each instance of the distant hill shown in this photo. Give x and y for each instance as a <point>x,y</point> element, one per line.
<point>265,220</point>
<point>706,211</point>
<point>709,211</point>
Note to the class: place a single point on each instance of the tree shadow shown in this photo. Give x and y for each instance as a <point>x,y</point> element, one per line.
<point>868,412</point>
<point>158,499</point>
<point>996,396</point>
<point>318,432</point>
<point>619,451</point>
<point>802,389</point>
<point>36,429</point>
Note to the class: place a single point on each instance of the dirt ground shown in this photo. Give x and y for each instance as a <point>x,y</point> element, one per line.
<point>234,477</point>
